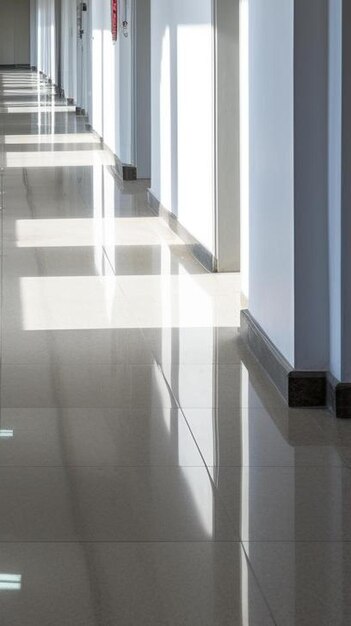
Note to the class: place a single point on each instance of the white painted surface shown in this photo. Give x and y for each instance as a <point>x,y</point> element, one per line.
<point>227,137</point>
<point>288,177</point>
<point>142,88</point>
<point>244,149</point>
<point>182,113</point>
<point>33,33</point>
<point>339,189</point>
<point>311,184</point>
<point>46,38</point>
<point>69,48</point>
<point>111,114</point>
<point>272,171</point>
<point>335,99</point>
<point>14,32</point>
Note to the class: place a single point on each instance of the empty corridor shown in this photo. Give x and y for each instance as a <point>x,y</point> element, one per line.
<point>149,473</point>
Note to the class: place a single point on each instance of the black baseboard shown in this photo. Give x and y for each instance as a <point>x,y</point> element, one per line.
<point>207,260</point>
<point>125,171</point>
<point>339,397</point>
<point>299,388</point>
<point>129,172</point>
<point>15,66</point>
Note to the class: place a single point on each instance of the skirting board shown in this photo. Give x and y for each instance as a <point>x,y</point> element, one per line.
<point>125,171</point>
<point>299,388</point>
<point>207,260</point>
<point>15,66</point>
<point>80,111</point>
<point>339,397</point>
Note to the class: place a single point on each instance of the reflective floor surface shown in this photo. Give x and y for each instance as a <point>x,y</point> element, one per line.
<point>149,473</point>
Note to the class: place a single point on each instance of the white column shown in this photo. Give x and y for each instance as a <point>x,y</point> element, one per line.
<point>288,279</point>
<point>340,188</point>
<point>227,133</point>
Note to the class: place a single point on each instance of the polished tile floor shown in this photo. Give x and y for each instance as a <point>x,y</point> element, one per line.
<point>149,473</point>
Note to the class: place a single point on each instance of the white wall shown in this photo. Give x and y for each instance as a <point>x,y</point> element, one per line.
<point>111,114</point>
<point>288,289</point>
<point>339,188</point>
<point>69,48</point>
<point>33,33</point>
<point>142,88</point>
<point>271,278</point>
<point>227,144</point>
<point>182,113</point>
<point>311,184</point>
<point>335,126</point>
<point>46,38</point>
<point>14,32</point>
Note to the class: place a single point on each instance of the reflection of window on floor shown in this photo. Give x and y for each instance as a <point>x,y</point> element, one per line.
<point>6,433</point>
<point>245,526</point>
<point>10,582</point>
<point>245,453</point>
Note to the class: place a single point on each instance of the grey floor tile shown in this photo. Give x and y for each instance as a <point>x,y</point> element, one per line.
<point>68,261</point>
<point>100,437</point>
<point>111,504</point>
<point>305,584</point>
<point>257,437</point>
<point>129,584</point>
<point>205,385</point>
<point>91,385</point>
<point>74,348</point>
<point>195,346</point>
<point>286,503</point>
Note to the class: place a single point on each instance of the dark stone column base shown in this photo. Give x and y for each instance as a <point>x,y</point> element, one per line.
<point>204,256</point>
<point>299,388</point>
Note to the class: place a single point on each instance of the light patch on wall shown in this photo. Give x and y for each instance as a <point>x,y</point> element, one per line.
<point>195,124</point>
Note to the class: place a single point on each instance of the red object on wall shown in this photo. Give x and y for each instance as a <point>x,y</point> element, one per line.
<point>114,19</point>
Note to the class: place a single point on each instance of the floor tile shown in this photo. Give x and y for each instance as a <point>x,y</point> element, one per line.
<point>256,438</point>
<point>111,504</point>
<point>194,346</point>
<point>89,386</point>
<point>95,437</point>
<point>193,584</point>
<point>286,503</point>
<point>75,348</point>
<point>305,584</point>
